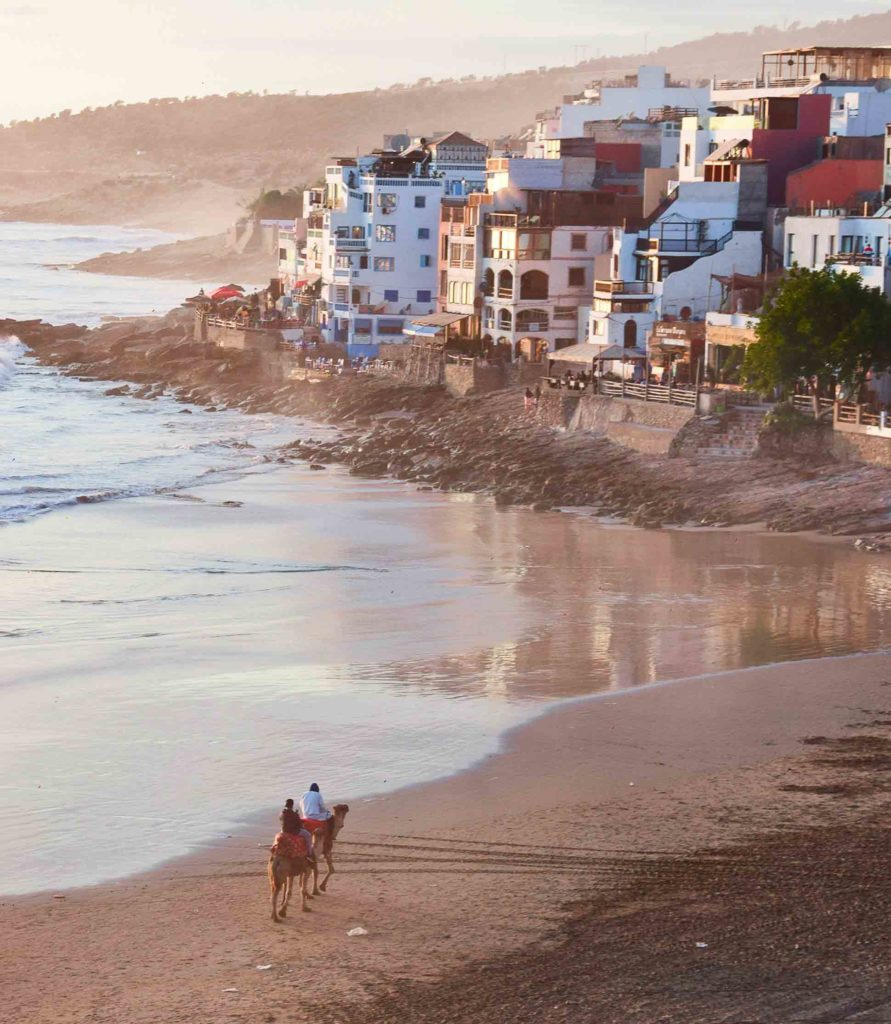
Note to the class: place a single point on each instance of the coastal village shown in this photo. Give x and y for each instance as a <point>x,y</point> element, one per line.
<point>672,808</point>
<point>623,246</point>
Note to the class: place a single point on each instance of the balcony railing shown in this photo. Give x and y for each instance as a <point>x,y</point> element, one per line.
<point>856,259</point>
<point>623,288</point>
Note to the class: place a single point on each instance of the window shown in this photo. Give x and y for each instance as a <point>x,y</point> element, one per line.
<point>687,154</point>
<point>384,264</point>
<point>424,295</point>
<point>576,277</point>
<point>420,202</point>
<point>468,260</point>
<point>363,263</point>
<point>847,244</point>
<point>340,293</point>
<point>385,233</point>
<point>599,326</point>
<point>366,202</point>
<point>357,231</point>
<point>455,254</point>
<point>566,312</point>
<point>386,201</point>
<point>790,247</point>
<point>578,243</point>
<point>426,261</point>
<point>343,262</point>
<point>283,254</point>
<point>444,247</point>
<point>815,239</point>
<point>423,232</point>
<point>535,245</point>
<point>391,295</point>
<point>830,246</point>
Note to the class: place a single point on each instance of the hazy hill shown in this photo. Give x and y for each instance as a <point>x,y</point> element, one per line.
<point>244,141</point>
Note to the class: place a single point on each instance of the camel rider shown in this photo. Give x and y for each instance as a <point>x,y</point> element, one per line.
<point>312,808</point>
<point>290,822</point>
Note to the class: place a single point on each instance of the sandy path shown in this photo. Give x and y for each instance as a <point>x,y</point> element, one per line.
<point>457,871</point>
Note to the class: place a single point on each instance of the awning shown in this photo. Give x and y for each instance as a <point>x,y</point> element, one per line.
<point>616,352</point>
<point>440,319</point>
<point>583,353</point>
<point>422,330</point>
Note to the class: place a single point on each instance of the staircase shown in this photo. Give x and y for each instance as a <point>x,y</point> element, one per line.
<point>731,436</point>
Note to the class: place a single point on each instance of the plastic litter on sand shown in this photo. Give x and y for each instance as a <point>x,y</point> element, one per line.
<point>357,931</point>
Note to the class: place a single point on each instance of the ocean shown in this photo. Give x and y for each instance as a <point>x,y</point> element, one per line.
<point>192,630</point>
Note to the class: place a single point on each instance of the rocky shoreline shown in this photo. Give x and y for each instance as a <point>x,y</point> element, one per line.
<point>484,444</point>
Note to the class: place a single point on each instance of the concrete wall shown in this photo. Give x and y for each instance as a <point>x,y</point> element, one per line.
<point>834,183</point>
<point>644,426</point>
<point>243,340</point>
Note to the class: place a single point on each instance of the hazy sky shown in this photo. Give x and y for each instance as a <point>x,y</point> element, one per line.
<point>76,53</point>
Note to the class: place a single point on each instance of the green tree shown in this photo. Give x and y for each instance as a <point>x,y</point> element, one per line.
<point>823,324</point>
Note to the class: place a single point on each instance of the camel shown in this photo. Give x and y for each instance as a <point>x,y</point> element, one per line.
<point>281,871</point>
<point>323,846</point>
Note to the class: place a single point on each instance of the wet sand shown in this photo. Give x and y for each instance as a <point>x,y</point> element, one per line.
<point>554,833</point>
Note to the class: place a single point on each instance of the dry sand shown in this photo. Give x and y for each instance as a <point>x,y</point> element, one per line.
<point>487,894</point>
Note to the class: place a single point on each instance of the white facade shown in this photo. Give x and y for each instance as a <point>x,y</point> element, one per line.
<point>852,245</point>
<point>666,269</point>
<point>650,89</point>
<point>372,247</point>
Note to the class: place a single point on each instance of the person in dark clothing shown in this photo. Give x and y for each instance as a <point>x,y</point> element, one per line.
<point>291,823</point>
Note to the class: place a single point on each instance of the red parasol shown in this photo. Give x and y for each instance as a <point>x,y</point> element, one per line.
<point>226,292</point>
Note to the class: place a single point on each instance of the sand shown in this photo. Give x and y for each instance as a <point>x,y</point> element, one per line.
<point>525,858</point>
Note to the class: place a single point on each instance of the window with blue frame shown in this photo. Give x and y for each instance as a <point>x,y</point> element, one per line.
<point>423,232</point>
<point>391,295</point>
<point>425,296</point>
<point>420,202</point>
<point>426,261</point>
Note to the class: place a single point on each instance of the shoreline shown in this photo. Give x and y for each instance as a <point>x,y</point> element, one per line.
<point>215,846</point>
<point>479,444</point>
<point>602,773</point>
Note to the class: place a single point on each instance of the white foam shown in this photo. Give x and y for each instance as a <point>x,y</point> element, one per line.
<point>10,349</point>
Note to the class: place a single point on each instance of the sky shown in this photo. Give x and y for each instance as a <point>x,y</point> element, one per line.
<point>60,54</point>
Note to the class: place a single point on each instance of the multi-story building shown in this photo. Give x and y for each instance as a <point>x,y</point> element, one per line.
<point>519,260</point>
<point>371,253</point>
<point>648,93</point>
<point>846,243</point>
<point>666,270</point>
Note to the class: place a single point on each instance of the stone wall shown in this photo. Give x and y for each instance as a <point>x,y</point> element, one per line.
<point>853,447</point>
<point>243,340</point>
<point>462,378</point>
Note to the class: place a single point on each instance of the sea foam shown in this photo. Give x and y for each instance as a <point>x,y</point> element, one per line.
<point>10,350</point>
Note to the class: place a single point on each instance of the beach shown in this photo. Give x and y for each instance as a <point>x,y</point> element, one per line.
<point>463,880</point>
<point>594,771</point>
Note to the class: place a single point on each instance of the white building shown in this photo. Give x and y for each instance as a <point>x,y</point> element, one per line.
<point>649,93</point>
<point>666,270</point>
<point>857,79</point>
<point>371,251</point>
<point>853,245</point>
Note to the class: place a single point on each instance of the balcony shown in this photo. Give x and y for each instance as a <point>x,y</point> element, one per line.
<point>351,243</point>
<point>517,220</point>
<point>609,289</point>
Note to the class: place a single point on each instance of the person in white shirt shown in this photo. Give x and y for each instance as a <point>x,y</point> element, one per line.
<point>312,807</point>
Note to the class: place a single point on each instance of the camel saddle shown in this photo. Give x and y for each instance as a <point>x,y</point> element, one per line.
<point>288,845</point>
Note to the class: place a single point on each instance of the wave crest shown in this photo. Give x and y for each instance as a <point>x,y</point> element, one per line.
<point>11,348</point>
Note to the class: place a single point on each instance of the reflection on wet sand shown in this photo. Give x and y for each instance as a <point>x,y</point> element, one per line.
<point>614,607</point>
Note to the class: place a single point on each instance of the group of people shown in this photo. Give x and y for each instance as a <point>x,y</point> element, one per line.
<point>311,814</point>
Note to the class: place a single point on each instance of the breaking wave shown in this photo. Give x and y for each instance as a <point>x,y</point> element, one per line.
<point>10,350</point>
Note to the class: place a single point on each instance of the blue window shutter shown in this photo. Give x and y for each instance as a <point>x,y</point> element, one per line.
<point>424,296</point>
<point>391,295</point>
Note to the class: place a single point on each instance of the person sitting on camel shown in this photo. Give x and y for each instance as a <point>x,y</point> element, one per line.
<point>291,823</point>
<point>313,811</point>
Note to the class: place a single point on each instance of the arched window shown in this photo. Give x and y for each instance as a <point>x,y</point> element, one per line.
<point>488,285</point>
<point>534,285</point>
<point>532,320</point>
<point>504,319</point>
<point>505,285</point>
<point>629,339</point>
